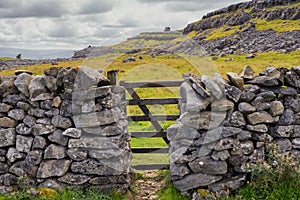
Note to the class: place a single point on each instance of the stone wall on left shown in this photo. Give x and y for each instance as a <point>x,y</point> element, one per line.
<point>67,128</point>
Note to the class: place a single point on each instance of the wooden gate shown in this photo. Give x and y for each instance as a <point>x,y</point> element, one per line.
<point>148,116</point>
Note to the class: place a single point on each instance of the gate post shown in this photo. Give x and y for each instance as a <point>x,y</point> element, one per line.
<point>112,76</point>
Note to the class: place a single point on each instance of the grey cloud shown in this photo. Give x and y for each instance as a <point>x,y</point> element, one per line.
<point>62,31</point>
<point>36,9</point>
<point>194,5</point>
<point>123,23</point>
<point>96,6</point>
<point>9,4</point>
<point>106,33</point>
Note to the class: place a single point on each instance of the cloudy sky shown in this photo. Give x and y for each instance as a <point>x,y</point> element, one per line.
<point>75,24</point>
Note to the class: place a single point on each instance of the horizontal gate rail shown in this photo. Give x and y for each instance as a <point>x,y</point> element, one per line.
<point>152,166</point>
<point>150,150</point>
<point>153,117</point>
<point>149,134</point>
<point>153,101</point>
<point>151,84</point>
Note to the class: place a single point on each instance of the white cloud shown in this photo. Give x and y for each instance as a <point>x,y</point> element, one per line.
<point>75,24</point>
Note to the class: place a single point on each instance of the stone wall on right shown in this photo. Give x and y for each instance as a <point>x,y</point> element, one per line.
<point>225,124</point>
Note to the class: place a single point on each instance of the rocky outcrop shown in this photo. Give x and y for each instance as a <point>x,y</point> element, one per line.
<point>6,64</point>
<point>61,127</point>
<point>257,8</point>
<point>226,124</point>
<point>247,39</point>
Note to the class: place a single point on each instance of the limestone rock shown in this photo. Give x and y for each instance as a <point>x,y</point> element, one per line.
<point>34,158</point>
<point>23,144</point>
<point>51,83</point>
<point>265,81</point>
<point>261,128</point>
<point>7,137</point>
<point>214,88</point>
<point>226,143</point>
<point>37,112</point>
<point>29,120</point>
<point>206,165</point>
<point>237,119</point>
<point>52,168</point>
<point>247,96</point>
<point>178,132</point>
<point>260,118</point>
<point>262,137</point>
<point>39,142</point>
<point>5,107</point>
<point>277,108</point>
<point>61,122</point>
<point>222,105</point>
<point>123,179</point>
<point>196,84</point>
<point>220,155</point>
<point>8,180</point>
<point>7,87</point>
<point>195,180</point>
<point>246,108</point>
<point>22,83</point>
<point>77,154</point>
<point>296,143</point>
<point>57,102</point>
<point>91,166</point>
<point>49,183</point>
<point>296,133</point>
<point>37,86</point>
<point>261,104</point>
<point>74,179</point>
<point>72,132</point>
<point>231,183</point>
<point>178,171</point>
<point>287,118</point>
<point>88,77</point>
<point>97,143</point>
<point>24,106</point>
<point>7,122</point>
<point>244,135</point>
<point>97,119</point>
<point>194,102</point>
<point>203,120</point>
<point>23,129</point>
<point>41,129</point>
<point>16,114</point>
<point>233,93</point>
<point>282,131</point>
<point>284,145</point>
<point>247,72</point>
<point>43,97</point>
<point>236,80</point>
<point>55,152</point>
<point>58,137</point>
<point>13,155</point>
<point>247,147</point>
<point>66,108</point>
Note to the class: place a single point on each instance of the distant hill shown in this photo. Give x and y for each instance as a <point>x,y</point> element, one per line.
<point>35,54</point>
<point>248,27</point>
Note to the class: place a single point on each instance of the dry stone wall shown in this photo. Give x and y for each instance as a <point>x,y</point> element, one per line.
<point>226,124</point>
<point>67,128</point>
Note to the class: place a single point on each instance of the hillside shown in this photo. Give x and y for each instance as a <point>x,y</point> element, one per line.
<point>255,26</point>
